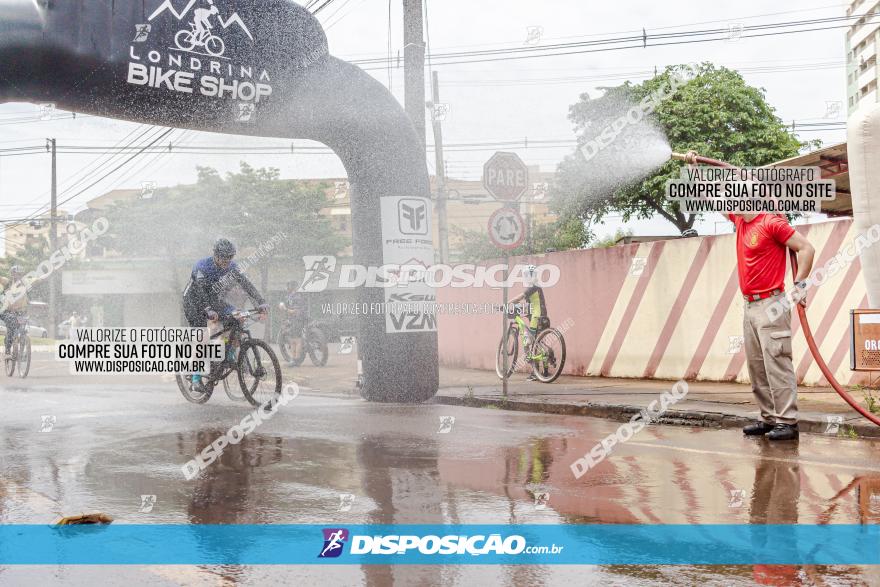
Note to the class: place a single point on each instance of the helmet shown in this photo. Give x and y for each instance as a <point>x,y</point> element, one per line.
<point>16,269</point>
<point>224,248</point>
<point>531,274</point>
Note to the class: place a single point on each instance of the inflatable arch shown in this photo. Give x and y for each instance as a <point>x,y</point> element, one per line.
<point>249,67</point>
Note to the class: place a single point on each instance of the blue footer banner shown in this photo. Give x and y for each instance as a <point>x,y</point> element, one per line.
<point>121,544</point>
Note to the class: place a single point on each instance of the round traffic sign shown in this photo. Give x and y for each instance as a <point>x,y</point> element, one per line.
<point>505,176</point>
<point>507,229</point>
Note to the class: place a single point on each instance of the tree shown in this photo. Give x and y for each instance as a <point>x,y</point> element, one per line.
<point>253,208</point>
<point>569,232</point>
<point>32,254</point>
<point>714,113</point>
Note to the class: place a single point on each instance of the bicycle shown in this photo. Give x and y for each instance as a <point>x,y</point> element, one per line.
<point>20,355</point>
<point>545,354</point>
<point>249,357</point>
<point>314,343</point>
<point>189,40</point>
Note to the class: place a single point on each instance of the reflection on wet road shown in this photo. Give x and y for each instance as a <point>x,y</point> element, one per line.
<point>343,461</point>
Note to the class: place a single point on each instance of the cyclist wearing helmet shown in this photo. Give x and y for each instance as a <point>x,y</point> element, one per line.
<point>538,319</point>
<point>211,279</point>
<point>202,20</point>
<point>12,305</point>
<point>297,309</point>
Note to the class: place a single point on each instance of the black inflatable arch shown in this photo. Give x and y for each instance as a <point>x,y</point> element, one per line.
<point>254,67</point>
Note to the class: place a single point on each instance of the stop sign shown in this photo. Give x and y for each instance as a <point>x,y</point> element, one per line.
<point>505,176</point>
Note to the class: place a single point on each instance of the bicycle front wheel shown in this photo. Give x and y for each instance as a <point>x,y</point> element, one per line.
<point>183,383</point>
<point>548,356</point>
<point>512,339</point>
<point>24,356</point>
<point>259,372</point>
<point>317,344</point>
<point>284,345</point>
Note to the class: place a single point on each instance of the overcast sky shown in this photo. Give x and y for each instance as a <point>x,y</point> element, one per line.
<point>499,101</point>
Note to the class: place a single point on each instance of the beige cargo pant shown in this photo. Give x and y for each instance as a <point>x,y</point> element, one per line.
<point>768,352</point>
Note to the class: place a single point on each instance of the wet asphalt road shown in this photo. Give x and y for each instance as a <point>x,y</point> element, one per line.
<point>103,446</point>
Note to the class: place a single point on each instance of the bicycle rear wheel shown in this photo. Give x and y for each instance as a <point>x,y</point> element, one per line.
<point>259,372</point>
<point>24,356</point>
<point>548,356</point>
<point>512,337</point>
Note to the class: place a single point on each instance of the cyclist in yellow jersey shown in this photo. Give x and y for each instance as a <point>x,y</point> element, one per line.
<point>534,295</point>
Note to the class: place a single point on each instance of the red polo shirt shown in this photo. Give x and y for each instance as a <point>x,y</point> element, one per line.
<point>760,252</point>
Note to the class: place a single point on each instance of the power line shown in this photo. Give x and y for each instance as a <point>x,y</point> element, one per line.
<point>620,43</point>
<point>106,175</point>
<point>287,149</point>
<point>322,6</point>
<point>633,31</point>
<point>635,74</point>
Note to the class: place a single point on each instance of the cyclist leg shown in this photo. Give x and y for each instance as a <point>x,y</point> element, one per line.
<point>296,340</point>
<point>534,322</point>
<point>196,319</point>
<point>11,320</point>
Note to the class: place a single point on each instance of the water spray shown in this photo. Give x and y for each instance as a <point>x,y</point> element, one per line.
<point>692,158</point>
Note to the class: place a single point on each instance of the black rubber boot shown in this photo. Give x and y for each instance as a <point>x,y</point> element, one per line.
<point>784,432</point>
<point>757,428</point>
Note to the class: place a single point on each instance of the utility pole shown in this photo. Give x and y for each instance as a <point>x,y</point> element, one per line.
<point>53,242</point>
<point>414,65</point>
<point>440,165</point>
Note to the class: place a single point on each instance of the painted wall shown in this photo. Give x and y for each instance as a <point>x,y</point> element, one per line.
<point>666,309</point>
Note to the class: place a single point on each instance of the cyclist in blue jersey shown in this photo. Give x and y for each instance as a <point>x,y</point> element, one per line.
<point>211,278</point>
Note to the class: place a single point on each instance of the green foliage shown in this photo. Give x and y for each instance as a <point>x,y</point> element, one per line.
<point>847,432</point>
<point>715,113</point>
<point>569,232</point>
<point>872,401</point>
<point>249,207</point>
<point>610,241</point>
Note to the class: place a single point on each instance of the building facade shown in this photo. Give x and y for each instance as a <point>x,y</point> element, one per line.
<point>861,53</point>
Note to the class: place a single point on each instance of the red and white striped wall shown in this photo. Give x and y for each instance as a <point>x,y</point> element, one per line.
<point>665,309</point>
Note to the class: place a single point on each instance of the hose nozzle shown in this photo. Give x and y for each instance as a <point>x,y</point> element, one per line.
<point>690,157</point>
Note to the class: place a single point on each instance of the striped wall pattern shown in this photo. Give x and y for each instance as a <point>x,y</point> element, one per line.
<point>665,309</point>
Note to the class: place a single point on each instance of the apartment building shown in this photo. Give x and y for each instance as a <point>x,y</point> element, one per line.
<point>861,53</point>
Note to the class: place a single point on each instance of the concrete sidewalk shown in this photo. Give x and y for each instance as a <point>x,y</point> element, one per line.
<point>708,404</point>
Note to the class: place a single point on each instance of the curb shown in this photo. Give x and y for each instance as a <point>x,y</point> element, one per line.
<point>623,413</point>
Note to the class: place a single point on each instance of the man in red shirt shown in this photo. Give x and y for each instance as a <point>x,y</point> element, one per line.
<point>762,241</point>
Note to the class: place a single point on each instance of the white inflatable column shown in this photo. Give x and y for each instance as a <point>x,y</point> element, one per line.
<point>863,138</point>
